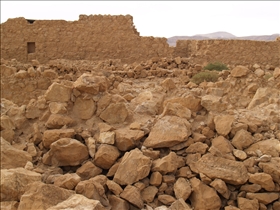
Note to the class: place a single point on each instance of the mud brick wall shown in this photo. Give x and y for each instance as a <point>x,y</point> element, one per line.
<point>94,37</point>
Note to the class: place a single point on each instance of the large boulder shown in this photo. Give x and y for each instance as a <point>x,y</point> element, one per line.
<point>133,196</point>
<point>115,113</point>
<point>84,108</point>
<point>56,121</point>
<point>14,183</point>
<point>12,157</point>
<point>66,152</point>
<point>167,132</point>
<point>223,124</point>
<point>133,167</point>
<point>232,172</point>
<point>51,136</point>
<point>40,196</point>
<point>106,156</point>
<point>239,71</point>
<point>127,139</point>
<point>58,93</point>
<point>213,103</point>
<point>167,164</point>
<point>272,168</point>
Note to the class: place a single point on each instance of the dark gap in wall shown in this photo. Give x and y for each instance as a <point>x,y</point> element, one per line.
<point>30,21</point>
<point>30,47</point>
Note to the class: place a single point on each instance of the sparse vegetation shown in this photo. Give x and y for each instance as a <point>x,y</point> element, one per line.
<point>208,76</point>
<point>218,66</point>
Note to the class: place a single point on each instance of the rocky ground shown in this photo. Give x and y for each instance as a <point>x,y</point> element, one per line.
<point>107,135</point>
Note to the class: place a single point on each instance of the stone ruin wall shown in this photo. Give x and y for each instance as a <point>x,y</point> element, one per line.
<point>93,37</point>
<point>233,52</point>
<point>98,37</point>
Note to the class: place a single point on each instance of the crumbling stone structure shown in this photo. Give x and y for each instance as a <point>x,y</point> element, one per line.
<point>94,37</point>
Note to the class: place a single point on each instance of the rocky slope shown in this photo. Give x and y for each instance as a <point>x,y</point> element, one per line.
<point>107,135</point>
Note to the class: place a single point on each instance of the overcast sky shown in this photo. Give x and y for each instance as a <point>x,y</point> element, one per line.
<point>162,18</point>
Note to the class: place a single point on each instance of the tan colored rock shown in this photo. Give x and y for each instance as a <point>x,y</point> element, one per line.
<point>262,95</point>
<point>242,139</point>
<point>148,194</point>
<point>9,205</point>
<point>66,152</point>
<point>239,71</point>
<point>223,124</point>
<point>51,136</point>
<point>197,147</point>
<point>118,203</point>
<point>133,167</point>
<point>182,189</point>
<point>276,72</point>
<point>58,108</point>
<point>114,187</point>
<point>88,170</point>
<point>221,187</point>
<point>91,145</point>
<point>132,195</point>
<point>156,178</point>
<point>239,154</point>
<point>272,168</point>
<point>213,103</point>
<point>251,188</point>
<point>232,172</point>
<point>166,199</point>
<point>91,84</point>
<point>40,196</point>
<point>166,164</point>
<point>14,183</point>
<point>94,188</point>
<point>115,113</point>
<point>178,131</point>
<point>6,123</point>
<point>58,93</point>
<point>176,109</point>
<point>67,181</point>
<point>78,202</point>
<point>107,137</point>
<point>8,135</point>
<point>168,84</point>
<point>203,196</point>
<point>84,108</point>
<point>263,179</point>
<point>247,204</point>
<point>106,156</point>
<point>12,157</point>
<point>7,70</point>
<point>221,147</point>
<point>127,139</point>
<point>180,204</point>
<point>57,121</point>
<point>267,147</point>
<point>276,205</point>
<point>265,198</point>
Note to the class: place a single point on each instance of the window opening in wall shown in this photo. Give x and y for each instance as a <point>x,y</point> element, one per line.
<point>30,21</point>
<point>30,47</point>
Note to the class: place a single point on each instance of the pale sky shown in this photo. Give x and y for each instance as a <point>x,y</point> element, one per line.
<point>162,18</point>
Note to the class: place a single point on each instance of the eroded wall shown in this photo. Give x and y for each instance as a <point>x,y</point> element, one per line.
<point>236,52</point>
<point>94,37</point>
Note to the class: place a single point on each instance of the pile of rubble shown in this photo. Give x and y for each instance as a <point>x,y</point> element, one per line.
<point>106,135</point>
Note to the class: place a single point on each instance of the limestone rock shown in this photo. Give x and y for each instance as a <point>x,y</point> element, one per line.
<point>78,202</point>
<point>272,168</point>
<point>51,136</point>
<point>84,108</point>
<point>133,167</point>
<point>276,72</point>
<point>265,198</point>
<point>262,95</point>
<point>239,71</point>
<point>9,205</point>
<point>67,181</point>
<point>247,204</point>
<point>191,102</point>
<point>115,113</point>
<point>176,109</point>
<point>166,199</point>
<point>58,93</point>
<point>114,187</point>
<point>178,131</point>
<point>213,103</point>
<point>182,189</point>
<point>106,156</point>
<point>94,188</point>
<point>91,145</point>
<point>66,152</point>
<point>88,170</point>
<point>132,195</point>
<point>57,121</point>
<point>263,179</point>
<point>12,157</point>
<point>180,204</point>
<point>14,183</point>
<point>166,164</point>
<point>242,139</point>
<point>127,139</point>
<point>232,172</point>
<point>251,188</point>
<point>118,203</point>
<point>241,155</point>
<point>203,196</point>
<point>267,147</point>
<point>58,107</point>
<point>91,84</point>
<point>7,70</point>
<point>221,187</point>
<point>107,137</point>
<point>223,124</point>
<point>40,196</point>
<point>168,84</point>
<point>148,194</point>
<point>156,178</point>
<point>221,147</point>
<point>197,147</point>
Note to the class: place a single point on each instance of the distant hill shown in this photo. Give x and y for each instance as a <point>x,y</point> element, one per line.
<point>221,35</point>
